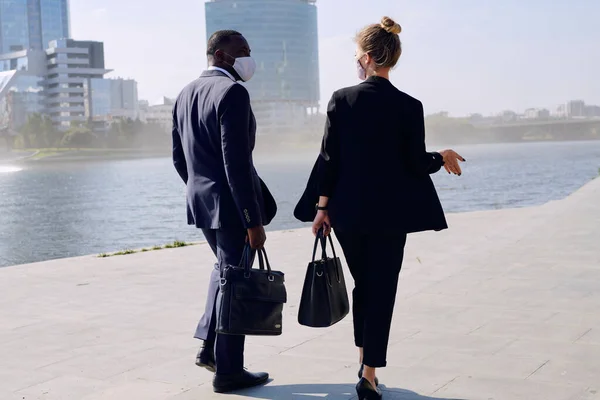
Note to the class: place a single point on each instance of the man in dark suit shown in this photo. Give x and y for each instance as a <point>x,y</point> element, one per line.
<point>214,133</point>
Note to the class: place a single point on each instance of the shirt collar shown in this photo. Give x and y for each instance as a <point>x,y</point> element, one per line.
<point>213,68</point>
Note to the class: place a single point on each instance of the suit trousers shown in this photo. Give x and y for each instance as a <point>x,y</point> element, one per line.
<point>374,260</point>
<point>228,246</point>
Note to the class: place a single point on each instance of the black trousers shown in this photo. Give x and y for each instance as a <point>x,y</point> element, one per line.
<point>228,246</point>
<point>374,261</point>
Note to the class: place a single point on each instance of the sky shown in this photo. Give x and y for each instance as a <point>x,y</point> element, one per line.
<point>459,56</point>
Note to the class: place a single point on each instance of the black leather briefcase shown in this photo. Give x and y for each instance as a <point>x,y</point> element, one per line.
<point>250,300</point>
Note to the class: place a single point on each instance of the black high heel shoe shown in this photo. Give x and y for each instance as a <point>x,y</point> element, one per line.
<point>360,372</point>
<point>366,391</point>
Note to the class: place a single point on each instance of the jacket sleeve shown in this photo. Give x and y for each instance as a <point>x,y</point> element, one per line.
<point>328,164</point>
<point>178,155</point>
<point>421,162</point>
<point>234,114</point>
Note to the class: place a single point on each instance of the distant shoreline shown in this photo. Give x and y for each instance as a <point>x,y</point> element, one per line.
<point>265,144</point>
<point>74,155</point>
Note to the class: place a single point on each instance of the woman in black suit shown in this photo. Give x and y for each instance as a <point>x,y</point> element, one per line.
<point>375,188</point>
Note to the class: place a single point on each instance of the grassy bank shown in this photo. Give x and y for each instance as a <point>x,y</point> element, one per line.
<point>176,244</point>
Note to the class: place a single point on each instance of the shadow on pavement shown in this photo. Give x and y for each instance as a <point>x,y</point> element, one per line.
<point>326,391</point>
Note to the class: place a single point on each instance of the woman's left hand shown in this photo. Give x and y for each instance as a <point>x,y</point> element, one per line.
<point>322,221</point>
<point>451,159</point>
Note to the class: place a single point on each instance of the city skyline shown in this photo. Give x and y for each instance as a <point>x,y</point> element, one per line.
<point>49,77</point>
<point>464,58</point>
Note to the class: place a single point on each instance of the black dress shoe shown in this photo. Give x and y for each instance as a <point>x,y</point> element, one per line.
<point>206,357</point>
<point>360,372</point>
<point>366,391</point>
<point>242,380</point>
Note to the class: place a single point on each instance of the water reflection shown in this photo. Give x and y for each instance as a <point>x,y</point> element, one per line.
<point>5,169</point>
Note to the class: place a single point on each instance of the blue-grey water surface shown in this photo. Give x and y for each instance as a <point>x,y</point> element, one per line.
<point>53,210</point>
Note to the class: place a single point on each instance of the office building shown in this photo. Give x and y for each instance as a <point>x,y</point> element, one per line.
<point>592,111</point>
<point>536,113</point>
<point>576,109</point>
<point>284,41</point>
<point>20,90</point>
<point>111,99</point>
<point>32,24</point>
<point>72,66</point>
<point>160,113</point>
<point>124,98</point>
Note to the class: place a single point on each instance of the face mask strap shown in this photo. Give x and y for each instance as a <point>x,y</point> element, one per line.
<point>230,56</point>
<point>360,58</point>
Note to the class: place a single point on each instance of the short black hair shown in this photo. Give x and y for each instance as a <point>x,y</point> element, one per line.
<point>219,39</point>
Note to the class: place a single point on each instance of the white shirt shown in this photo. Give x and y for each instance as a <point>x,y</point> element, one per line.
<point>213,68</point>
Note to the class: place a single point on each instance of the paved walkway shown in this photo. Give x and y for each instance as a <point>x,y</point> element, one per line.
<point>504,305</point>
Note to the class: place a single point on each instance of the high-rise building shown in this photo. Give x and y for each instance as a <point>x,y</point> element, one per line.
<point>124,98</point>
<point>283,37</point>
<point>72,67</point>
<point>32,24</point>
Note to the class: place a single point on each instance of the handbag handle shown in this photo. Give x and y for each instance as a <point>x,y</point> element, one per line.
<point>320,238</point>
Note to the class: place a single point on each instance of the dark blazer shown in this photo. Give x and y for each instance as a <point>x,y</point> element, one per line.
<point>214,132</point>
<point>373,163</point>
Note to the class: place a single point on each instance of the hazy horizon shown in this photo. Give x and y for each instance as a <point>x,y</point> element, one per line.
<point>468,57</point>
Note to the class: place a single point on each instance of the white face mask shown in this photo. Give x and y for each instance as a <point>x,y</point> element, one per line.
<point>361,71</point>
<point>245,67</point>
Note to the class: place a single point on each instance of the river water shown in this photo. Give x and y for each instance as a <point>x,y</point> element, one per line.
<point>53,210</point>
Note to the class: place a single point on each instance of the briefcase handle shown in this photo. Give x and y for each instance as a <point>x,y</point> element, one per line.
<point>248,258</point>
<point>321,238</point>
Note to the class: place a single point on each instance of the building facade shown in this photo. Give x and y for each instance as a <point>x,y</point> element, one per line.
<point>20,86</point>
<point>124,99</point>
<point>576,109</point>
<point>72,65</point>
<point>592,111</point>
<point>160,113</point>
<point>112,99</point>
<point>537,113</point>
<point>32,24</point>
<point>283,37</point>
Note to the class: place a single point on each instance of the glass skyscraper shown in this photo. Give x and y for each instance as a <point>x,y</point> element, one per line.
<point>283,37</point>
<point>32,24</point>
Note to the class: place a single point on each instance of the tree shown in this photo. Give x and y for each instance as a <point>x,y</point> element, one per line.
<point>31,131</point>
<point>79,137</point>
<point>52,136</point>
<point>40,132</point>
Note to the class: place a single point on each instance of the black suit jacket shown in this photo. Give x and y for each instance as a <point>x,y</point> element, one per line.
<point>214,132</point>
<point>373,163</point>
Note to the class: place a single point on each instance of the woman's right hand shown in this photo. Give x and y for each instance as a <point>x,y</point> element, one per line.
<point>451,159</point>
<point>322,221</point>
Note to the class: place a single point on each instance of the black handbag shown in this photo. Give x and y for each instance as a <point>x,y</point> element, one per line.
<point>324,299</point>
<point>250,301</point>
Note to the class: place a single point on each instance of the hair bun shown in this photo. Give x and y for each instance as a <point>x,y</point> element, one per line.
<point>390,26</point>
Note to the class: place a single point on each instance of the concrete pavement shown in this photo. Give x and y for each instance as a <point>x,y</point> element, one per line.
<point>504,305</point>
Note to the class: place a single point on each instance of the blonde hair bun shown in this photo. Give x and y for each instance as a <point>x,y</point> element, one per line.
<point>390,26</point>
